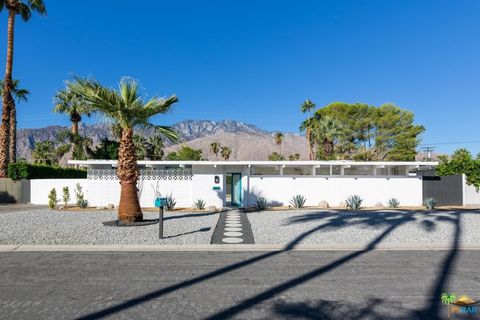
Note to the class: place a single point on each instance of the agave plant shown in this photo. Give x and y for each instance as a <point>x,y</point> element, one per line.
<point>171,202</point>
<point>354,202</point>
<point>393,203</point>
<point>430,203</point>
<point>298,201</point>
<point>199,204</point>
<point>261,203</point>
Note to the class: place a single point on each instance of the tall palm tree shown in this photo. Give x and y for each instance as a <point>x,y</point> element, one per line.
<point>67,102</point>
<point>126,108</point>
<point>215,149</point>
<point>23,8</point>
<point>278,139</point>
<point>80,146</point>
<point>307,107</point>
<point>44,153</point>
<point>19,95</point>
<point>225,152</point>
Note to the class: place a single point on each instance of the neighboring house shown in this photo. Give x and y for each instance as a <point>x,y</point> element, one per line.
<point>238,183</point>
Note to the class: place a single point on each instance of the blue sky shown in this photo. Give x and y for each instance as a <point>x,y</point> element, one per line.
<point>256,61</point>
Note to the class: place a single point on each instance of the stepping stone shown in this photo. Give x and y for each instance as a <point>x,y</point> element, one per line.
<point>233,234</point>
<point>233,224</point>
<point>232,219</point>
<point>233,229</point>
<point>232,240</point>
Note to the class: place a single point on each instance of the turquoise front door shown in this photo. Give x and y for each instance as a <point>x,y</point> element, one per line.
<point>236,187</point>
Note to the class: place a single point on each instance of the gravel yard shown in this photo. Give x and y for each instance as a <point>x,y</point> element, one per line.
<point>44,226</point>
<point>342,227</point>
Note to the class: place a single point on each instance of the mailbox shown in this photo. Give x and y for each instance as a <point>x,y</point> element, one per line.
<point>160,202</point>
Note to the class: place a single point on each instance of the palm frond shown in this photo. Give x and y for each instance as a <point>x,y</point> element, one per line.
<point>24,11</point>
<point>37,5</point>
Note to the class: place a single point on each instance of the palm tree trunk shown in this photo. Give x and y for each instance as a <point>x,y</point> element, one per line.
<point>7,100</point>
<point>13,134</point>
<point>74,128</point>
<point>129,207</point>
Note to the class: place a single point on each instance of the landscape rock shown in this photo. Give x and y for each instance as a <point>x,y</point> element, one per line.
<point>211,208</point>
<point>101,208</point>
<point>110,206</point>
<point>379,205</point>
<point>342,205</point>
<point>323,205</point>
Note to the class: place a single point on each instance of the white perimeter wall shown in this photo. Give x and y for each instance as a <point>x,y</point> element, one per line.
<point>471,195</point>
<point>104,192</point>
<point>408,190</point>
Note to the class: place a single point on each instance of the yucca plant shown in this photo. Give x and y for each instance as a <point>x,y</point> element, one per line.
<point>354,202</point>
<point>430,203</point>
<point>171,202</point>
<point>261,203</point>
<point>298,201</point>
<point>393,203</point>
<point>52,199</point>
<point>199,204</point>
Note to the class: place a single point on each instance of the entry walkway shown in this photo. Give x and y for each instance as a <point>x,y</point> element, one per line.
<point>233,227</point>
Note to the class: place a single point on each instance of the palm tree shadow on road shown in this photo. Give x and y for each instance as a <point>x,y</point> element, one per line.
<point>336,220</point>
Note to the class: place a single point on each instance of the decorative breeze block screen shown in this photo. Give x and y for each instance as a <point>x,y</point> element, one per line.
<point>145,174</point>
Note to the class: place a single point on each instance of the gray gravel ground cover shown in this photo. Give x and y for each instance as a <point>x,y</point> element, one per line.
<point>342,227</point>
<point>44,226</point>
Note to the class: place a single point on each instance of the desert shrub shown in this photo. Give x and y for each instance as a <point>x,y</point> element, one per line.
<point>65,196</point>
<point>199,204</point>
<point>298,201</point>
<point>261,203</point>
<point>354,202</point>
<point>430,203</point>
<point>52,199</point>
<point>80,198</point>
<point>393,203</point>
<point>171,202</point>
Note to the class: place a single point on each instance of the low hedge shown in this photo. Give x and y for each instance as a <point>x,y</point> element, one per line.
<point>23,170</point>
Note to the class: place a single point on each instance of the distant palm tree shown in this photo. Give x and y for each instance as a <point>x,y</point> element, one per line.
<point>141,146</point>
<point>278,138</point>
<point>126,108</point>
<point>215,148</point>
<point>326,130</point>
<point>44,153</point>
<point>156,146</point>
<point>225,152</point>
<point>70,103</point>
<point>19,95</point>
<point>307,107</point>
<point>294,157</point>
<point>77,144</point>
<point>8,142</point>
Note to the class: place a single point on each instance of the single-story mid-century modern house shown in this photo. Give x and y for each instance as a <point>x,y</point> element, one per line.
<point>238,183</point>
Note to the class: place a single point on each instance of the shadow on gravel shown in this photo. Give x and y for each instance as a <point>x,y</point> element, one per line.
<point>190,215</point>
<point>389,220</point>
<point>190,232</point>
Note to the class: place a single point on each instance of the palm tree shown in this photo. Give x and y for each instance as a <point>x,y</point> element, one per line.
<point>19,95</point>
<point>215,148</point>
<point>225,152</point>
<point>44,153</point>
<point>306,107</point>
<point>9,119</point>
<point>326,130</point>
<point>126,107</point>
<point>278,139</point>
<point>156,146</point>
<point>141,147</point>
<point>67,102</point>
<point>79,146</point>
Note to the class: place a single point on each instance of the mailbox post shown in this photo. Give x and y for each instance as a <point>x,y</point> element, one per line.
<point>160,203</point>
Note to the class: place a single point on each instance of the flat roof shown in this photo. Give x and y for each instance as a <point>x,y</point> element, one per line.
<point>88,163</point>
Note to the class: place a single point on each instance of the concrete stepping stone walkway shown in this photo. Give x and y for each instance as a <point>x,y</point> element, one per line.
<point>233,227</point>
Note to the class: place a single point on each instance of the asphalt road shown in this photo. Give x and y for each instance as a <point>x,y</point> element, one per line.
<point>239,285</point>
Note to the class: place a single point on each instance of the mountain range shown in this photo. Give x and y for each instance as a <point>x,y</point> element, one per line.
<point>247,141</point>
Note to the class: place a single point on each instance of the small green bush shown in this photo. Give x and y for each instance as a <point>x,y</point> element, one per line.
<point>298,201</point>
<point>261,203</point>
<point>52,199</point>
<point>354,202</point>
<point>393,203</point>
<point>430,203</point>
<point>171,202</point>
<point>22,170</point>
<point>66,196</point>
<point>81,202</point>
<point>199,204</point>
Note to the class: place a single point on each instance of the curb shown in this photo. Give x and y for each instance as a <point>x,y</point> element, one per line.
<point>226,247</point>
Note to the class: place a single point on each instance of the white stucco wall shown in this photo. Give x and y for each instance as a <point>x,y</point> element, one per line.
<point>408,190</point>
<point>471,195</point>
